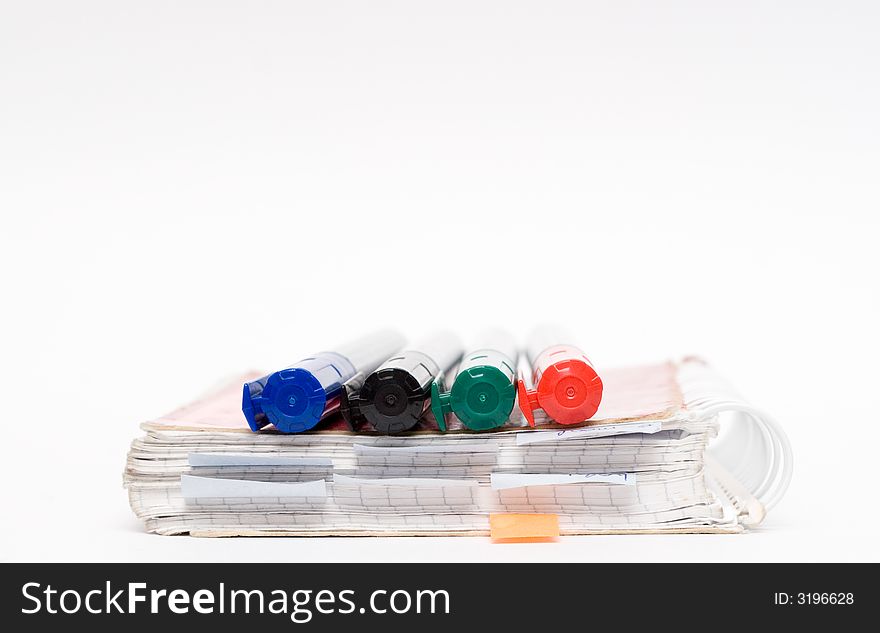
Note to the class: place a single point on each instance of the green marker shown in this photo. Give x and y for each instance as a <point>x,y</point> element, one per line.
<point>484,390</point>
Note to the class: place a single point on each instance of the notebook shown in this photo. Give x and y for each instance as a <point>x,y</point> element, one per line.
<point>673,448</point>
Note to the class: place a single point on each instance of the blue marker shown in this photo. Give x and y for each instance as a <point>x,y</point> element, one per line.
<point>297,398</point>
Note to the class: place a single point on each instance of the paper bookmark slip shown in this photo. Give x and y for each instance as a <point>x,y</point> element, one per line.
<point>601,430</point>
<point>208,487</point>
<point>523,527</point>
<point>506,481</point>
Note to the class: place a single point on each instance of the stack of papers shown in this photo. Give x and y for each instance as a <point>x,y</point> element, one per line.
<point>640,465</point>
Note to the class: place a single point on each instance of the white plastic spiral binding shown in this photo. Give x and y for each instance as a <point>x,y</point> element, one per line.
<point>754,448</point>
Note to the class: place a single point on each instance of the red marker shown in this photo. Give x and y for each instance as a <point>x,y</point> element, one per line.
<point>563,382</point>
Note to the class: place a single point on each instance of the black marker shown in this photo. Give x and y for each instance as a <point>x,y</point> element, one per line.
<point>394,397</point>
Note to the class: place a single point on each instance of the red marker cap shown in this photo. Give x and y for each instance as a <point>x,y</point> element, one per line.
<point>567,386</point>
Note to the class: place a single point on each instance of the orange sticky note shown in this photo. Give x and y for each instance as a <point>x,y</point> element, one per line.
<point>523,527</point>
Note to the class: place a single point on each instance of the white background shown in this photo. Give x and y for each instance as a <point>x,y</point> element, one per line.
<point>192,189</point>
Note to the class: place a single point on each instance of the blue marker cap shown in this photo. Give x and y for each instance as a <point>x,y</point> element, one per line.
<point>295,399</point>
<point>291,399</point>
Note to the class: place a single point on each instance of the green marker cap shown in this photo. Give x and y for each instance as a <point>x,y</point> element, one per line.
<point>482,397</point>
<point>440,404</point>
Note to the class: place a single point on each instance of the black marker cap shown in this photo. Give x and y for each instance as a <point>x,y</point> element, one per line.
<point>393,399</point>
